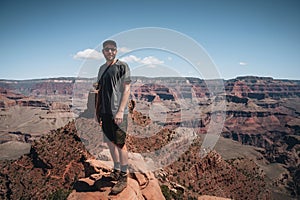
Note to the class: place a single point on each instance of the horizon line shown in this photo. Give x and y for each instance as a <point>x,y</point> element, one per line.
<point>74,78</point>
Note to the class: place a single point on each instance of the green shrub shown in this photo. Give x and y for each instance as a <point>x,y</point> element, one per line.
<point>60,194</point>
<point>169,195</point>
<point>166,192</point>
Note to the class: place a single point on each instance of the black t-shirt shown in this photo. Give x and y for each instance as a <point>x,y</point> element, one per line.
<point>112,86</point>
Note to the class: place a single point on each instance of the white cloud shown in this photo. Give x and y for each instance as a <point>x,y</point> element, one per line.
<point>243,63</point>
<point>147,60</point>
<point>90,54</point>
<point>123,50</point>
<point>131,58</point>
<point>151,60</point>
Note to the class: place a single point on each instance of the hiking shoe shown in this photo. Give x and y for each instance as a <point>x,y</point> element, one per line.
<point>114,175</point>
<point>120,185</point>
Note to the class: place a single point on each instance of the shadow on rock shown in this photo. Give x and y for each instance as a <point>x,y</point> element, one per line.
<point>88,185</point>
<point>103,183</point>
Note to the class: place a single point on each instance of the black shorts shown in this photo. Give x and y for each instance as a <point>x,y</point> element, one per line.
<point>113,132</point>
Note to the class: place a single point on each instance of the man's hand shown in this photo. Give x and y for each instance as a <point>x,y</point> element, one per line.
<point>119,117</point>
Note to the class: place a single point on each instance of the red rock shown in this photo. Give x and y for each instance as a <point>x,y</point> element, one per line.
<point>207,197</point>
<point>140,186</point>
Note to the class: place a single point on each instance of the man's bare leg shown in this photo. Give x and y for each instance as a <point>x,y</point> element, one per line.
<point>123,155</point>
<point>116,159</point>
<point>114,152</point>
<point>122,182</point>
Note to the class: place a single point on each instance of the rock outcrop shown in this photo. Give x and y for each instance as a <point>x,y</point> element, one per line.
<point>96,185</point>
<point>8,98</point>
<point>191,177</point>
<point>53,165</point>
<point>59,163</point>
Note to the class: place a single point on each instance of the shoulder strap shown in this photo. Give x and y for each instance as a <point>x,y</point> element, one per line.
<point>104,72</point>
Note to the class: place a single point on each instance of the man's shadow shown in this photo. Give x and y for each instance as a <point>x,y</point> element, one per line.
<point>83,186</point>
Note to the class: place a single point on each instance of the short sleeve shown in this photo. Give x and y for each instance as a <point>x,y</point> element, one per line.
<point>127,78</point>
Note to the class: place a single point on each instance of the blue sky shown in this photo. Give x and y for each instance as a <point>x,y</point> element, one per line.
<point>41,39</point>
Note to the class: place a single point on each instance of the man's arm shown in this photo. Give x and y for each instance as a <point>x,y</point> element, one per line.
<point>123,104</point>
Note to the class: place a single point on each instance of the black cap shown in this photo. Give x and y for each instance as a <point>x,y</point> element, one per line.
<point>112,42</point>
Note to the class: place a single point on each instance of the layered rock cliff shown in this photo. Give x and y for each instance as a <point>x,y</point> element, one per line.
<point>260,111</point>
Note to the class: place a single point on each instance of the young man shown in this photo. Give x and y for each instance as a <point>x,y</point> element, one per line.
<point>111,111</point>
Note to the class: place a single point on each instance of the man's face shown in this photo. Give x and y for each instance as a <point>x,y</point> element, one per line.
<point>109,52</point>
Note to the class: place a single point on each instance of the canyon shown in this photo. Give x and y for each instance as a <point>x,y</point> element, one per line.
<point>255,121</point>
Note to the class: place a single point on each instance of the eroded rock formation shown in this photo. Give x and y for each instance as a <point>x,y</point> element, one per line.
<point>260,111</point>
